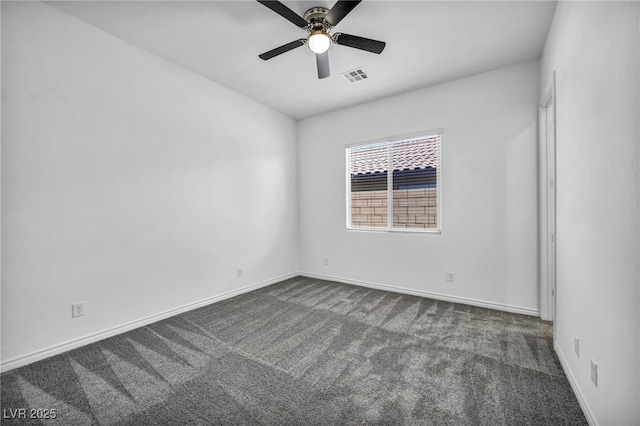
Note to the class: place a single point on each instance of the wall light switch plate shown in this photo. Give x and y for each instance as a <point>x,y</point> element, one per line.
<point>576,345</point>
<point>450,277</point>
<point>594,372</point>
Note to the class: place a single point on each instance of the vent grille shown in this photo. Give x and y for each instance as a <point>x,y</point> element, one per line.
<point>355,75</point>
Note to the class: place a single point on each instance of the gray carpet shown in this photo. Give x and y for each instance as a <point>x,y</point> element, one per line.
<point>308,352</point>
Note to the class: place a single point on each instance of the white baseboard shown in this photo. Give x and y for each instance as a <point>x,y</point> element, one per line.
<point>422,293</point>
<point>50,351</point>
<point>586,409</point>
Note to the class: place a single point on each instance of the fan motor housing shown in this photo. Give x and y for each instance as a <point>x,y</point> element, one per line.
<point>315,18</point>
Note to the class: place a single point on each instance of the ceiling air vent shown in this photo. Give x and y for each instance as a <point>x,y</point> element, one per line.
<point>355,75</point>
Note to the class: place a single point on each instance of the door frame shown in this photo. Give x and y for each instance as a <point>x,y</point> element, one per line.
<point>547,202</point>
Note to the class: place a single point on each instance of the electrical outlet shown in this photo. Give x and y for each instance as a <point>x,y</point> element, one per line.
<point>576,345</point>
<point>77,309</point>
<point>450,277</point>
<point>594,372</point>
<point>239,271</point>
<point>326,261</point>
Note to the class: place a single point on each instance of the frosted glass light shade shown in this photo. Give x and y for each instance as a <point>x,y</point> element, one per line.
<point>319,42</point>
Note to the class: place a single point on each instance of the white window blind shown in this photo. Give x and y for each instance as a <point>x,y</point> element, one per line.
<point>395,185</point>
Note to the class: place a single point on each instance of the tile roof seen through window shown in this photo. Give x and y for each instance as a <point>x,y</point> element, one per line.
<point>407,155</point>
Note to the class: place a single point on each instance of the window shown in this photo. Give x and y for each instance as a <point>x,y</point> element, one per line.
<point>408,198</point>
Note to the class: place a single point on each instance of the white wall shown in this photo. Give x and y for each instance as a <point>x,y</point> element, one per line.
<point>489,201</point>
<point>594,47</point>
<point>128,183</point>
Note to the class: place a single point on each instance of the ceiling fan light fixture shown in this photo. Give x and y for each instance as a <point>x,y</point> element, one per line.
<point>318,23</point>
<point>319,42</point>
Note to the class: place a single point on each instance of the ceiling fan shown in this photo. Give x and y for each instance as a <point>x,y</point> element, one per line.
<point>318,22</point>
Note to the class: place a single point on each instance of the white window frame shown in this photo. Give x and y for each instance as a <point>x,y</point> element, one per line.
<point>422,135</point>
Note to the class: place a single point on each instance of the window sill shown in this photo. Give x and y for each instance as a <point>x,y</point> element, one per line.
<point>396,231</point>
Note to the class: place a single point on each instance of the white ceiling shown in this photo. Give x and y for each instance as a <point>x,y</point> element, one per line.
<point>428,42</point>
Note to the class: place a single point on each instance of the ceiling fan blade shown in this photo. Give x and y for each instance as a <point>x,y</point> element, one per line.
<point>285,12</point>
<point>339,11</point>
<point>322,61</point>
<point>358,42</point>
<point>282,49</point>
